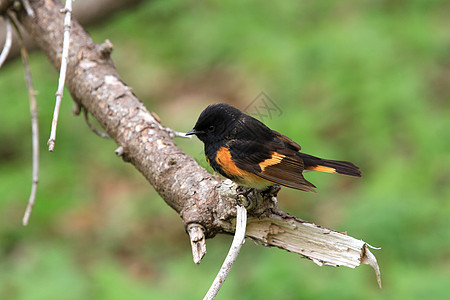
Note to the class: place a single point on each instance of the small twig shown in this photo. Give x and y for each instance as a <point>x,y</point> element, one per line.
<point>8,41</point>
<point>106,48</point>
<point>119,151</point>
<point>62,74</point>
<point>28,8</point>
<point>92,127</point>
<point>34,123</point>
<point>197,236</point>
<point>238,241</point>
<point>76,108</point>
<point>172,133</point>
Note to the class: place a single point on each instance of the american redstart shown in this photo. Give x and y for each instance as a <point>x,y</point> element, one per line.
<point>248,152</point>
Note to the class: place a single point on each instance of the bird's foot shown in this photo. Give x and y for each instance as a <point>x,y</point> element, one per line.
<point>271,190</point>
<point>242,196</point>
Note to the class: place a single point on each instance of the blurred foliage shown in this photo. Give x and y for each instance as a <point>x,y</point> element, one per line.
<point>366,81</point>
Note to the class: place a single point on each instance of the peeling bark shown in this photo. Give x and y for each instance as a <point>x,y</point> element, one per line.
<point>199,197</point>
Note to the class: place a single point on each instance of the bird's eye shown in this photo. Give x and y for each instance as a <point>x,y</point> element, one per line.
<point>211,128</point>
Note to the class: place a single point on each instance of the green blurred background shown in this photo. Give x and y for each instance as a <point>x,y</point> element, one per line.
<point>366,81</point>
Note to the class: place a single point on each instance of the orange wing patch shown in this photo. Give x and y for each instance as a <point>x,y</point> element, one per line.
<point>321,168</point>
<point>275,159</point>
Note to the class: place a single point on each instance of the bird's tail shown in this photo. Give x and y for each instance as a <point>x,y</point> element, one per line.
<point>330,166</point>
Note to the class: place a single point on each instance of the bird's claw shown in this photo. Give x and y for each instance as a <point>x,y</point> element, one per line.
<point>242,196</point>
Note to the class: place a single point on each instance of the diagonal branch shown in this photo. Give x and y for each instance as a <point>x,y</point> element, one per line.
<point>197,196</point>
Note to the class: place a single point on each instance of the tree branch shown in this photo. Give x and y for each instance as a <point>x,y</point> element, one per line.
<point>196,195</point>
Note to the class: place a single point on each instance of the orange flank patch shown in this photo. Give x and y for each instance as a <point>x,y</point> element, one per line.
<point>321,168</point>
<point>275,159</point>
<point>223,158</point>
<point>242,177</point>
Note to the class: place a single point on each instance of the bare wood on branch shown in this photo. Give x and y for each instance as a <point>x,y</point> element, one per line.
<point>197,196</point>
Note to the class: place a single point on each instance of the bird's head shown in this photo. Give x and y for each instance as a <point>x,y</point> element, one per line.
<point>216,122</point>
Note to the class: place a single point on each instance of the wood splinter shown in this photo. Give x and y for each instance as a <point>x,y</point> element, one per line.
<point>197,236</point>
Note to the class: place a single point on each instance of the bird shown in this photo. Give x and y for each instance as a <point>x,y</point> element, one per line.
<point>243,149</point>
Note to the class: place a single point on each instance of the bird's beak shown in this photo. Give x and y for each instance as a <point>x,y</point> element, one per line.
<point>193,131</point>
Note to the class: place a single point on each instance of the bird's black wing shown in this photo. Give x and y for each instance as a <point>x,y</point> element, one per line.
<point>272,161</point>
<point>287,141</point>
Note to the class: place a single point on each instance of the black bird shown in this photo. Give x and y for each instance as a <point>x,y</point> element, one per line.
<point>248,152</point>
